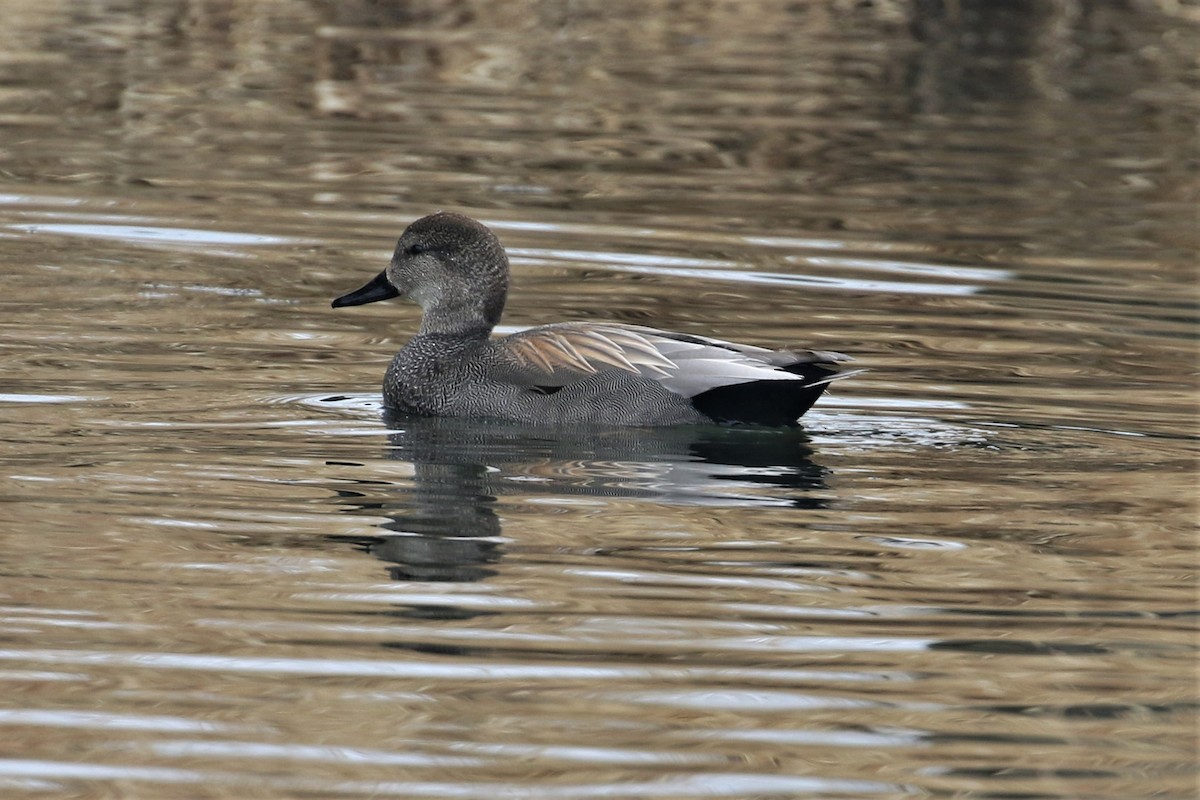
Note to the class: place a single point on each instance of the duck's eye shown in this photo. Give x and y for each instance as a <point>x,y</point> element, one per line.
<point>415,249</point>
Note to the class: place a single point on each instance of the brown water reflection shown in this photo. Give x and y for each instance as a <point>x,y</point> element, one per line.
<point>971,574</point>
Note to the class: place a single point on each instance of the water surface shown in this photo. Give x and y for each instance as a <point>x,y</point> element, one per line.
<point>226,573</point>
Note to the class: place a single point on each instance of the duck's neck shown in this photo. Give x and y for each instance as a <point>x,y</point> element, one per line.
<point>463,321</point>
<point>461,310</point>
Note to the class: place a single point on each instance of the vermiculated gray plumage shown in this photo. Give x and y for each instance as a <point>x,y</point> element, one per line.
<point>567,373</point>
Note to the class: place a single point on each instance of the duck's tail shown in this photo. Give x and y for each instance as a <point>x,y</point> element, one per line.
<point>776,403</point>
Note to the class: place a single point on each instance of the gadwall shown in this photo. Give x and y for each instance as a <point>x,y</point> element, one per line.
<point>568,373</point>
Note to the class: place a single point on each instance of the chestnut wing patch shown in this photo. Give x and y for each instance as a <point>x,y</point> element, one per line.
<point>572,350</point>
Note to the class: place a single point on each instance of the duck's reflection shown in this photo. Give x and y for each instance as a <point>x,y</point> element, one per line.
<point>444,527</point>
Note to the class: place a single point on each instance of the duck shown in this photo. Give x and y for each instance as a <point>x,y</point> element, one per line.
<point>565,373</point>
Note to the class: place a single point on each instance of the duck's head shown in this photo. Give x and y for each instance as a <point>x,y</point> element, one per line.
<point>451,266</point>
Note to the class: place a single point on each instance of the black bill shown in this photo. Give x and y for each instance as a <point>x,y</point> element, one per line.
<point>380,288</point>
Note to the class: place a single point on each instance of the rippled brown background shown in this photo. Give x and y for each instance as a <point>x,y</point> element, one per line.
<point>972,574</point>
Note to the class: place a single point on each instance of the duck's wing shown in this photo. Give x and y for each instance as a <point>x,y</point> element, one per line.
<point>556,355</point>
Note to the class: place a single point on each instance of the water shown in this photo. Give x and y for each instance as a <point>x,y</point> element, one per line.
<point>972,573</point>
